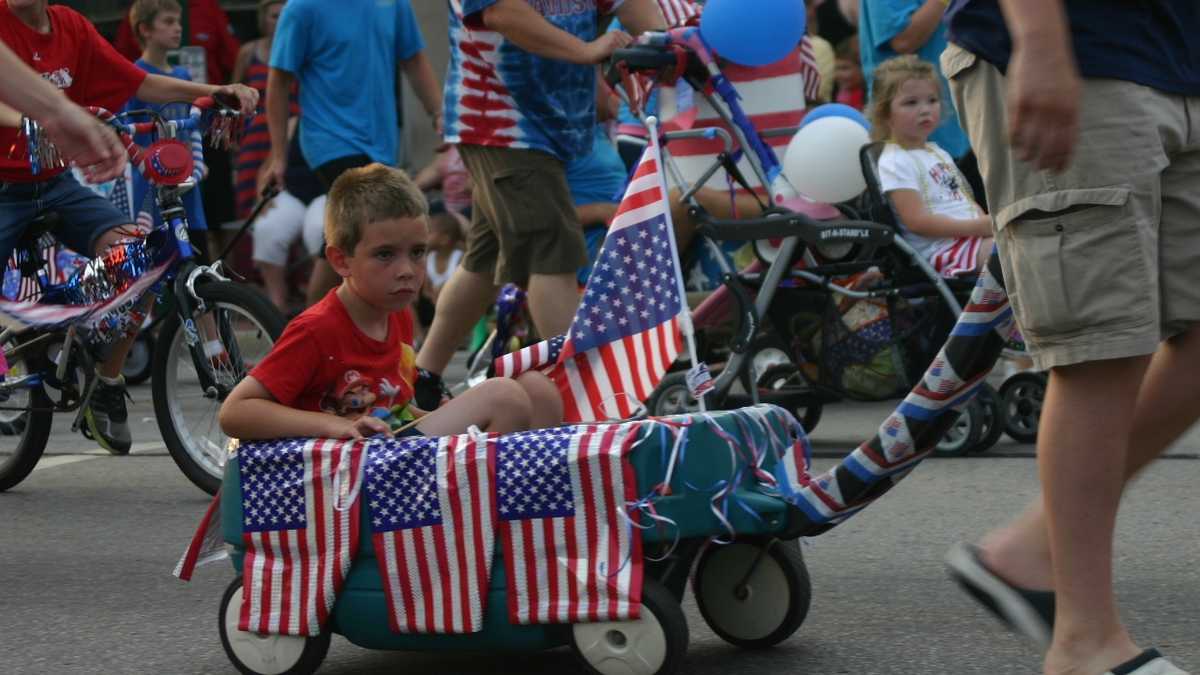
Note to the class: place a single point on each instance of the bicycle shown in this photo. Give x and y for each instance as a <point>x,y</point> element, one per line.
<point>213,332</point>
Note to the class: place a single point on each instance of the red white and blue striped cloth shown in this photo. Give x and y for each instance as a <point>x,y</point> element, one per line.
<point>626,332</point>
<point>300,531</point>
<point>431,511</point>
<point>571,551</point>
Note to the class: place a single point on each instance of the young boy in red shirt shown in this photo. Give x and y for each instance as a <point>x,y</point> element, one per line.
<point>64,47</point>
<point>345,367</point>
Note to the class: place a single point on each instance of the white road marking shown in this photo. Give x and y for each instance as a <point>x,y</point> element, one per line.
<point>60,460</point>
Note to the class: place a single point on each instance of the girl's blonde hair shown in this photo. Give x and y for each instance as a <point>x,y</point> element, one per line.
<point>889,77</point>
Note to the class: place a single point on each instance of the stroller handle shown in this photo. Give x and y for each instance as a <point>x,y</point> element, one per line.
<point>776,223</point>
<point>643,58</point>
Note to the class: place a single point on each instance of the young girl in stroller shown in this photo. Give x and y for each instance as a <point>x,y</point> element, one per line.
<point>940,216</point>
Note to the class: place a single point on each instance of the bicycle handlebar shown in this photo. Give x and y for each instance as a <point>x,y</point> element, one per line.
<point>166,163</point>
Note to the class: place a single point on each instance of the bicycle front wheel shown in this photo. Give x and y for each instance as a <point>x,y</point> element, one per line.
<point>25,415</point>
<point>189,388</point>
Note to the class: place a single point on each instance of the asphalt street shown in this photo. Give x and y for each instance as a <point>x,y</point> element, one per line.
<point>88,542</point>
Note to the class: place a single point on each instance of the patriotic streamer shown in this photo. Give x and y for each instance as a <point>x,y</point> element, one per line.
<point>910,433</point>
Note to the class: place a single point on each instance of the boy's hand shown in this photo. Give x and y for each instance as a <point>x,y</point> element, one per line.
<point>358,428</point>
<point>86,142</point>
<point>246,97</point>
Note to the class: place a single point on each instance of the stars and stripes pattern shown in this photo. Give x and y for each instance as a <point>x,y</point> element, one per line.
<point>432,527</point>
<point>23,315</point>
<point>809,71</point>
<point>571,554</point>
<point>537,356</point>
<point>910,433</point>
<point>626,332</point>
<point>299,529</point>
<point>959,257</point>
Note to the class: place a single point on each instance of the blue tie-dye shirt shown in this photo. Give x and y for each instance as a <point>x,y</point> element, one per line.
<point>498,94</point>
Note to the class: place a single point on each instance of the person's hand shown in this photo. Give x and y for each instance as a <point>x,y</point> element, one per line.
<point>270,174</point>
<point>85,142</point>
<point>1043,103</point>
<point>438,127</point>
<point>363,426</point>
<point>246,97</point>
<point>602,47</point>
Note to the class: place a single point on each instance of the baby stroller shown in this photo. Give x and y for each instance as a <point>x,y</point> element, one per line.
<point>791,343</point>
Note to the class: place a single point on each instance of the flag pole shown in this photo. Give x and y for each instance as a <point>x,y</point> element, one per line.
<point>685,320</point>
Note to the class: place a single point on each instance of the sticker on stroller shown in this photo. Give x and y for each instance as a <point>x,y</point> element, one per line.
<point>845,233</point>
<point>699,380</point>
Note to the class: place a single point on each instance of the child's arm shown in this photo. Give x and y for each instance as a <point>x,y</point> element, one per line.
<point>164,89</point>
<point>911,209</point>
<point>251,413</point>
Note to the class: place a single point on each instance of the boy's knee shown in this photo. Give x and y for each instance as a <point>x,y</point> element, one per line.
<point>510,400</point>
<point>546,401</point>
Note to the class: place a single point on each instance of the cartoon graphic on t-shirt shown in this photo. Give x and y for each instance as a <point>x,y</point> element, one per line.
<point>946,178</point>
<point>386,398</point>
<point>352,397</point>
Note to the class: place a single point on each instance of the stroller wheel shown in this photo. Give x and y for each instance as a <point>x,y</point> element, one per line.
<point>991,418</point>
<point>964,434</point>
<point>753,594</point>
<point>671,397</point>
<point>254,654</point>
<point>1021,405</point>
<point>784,379</point>
<point>653,644</point>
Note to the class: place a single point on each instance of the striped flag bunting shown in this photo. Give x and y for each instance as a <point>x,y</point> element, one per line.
<point>561,496</point>
<point>300,531</point>
<point>430,505</point>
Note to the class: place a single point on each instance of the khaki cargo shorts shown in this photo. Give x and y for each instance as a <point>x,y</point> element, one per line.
<point>1103,260</point>
<point>522,218</point>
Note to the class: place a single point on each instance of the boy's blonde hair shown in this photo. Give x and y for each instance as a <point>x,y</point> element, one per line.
<point>889,77</point>
<point>367,195</point>
<point>144,12</point>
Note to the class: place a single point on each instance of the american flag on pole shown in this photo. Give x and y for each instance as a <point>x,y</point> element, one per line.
<point>571,555</point>
<point>300,531</point>
<point>626,332</point>
<point>430,505</point>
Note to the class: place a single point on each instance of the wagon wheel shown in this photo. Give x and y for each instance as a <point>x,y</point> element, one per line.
<point>753,595</point>
<point>654,644</point>
<point>254,654</point>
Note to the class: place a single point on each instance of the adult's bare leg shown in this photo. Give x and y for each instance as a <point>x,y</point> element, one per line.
<point>1168,404</point>
<point>463,300</point>
<point>553,299</point>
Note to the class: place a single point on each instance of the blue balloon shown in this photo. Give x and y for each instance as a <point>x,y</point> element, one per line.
<point>753,32</point>
<point>835,110</point>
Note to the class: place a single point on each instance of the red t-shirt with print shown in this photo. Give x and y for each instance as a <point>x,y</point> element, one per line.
<point>324,362</point>
<point>73,57</point>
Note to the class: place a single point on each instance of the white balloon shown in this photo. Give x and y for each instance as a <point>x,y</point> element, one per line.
<point>822,159</point>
